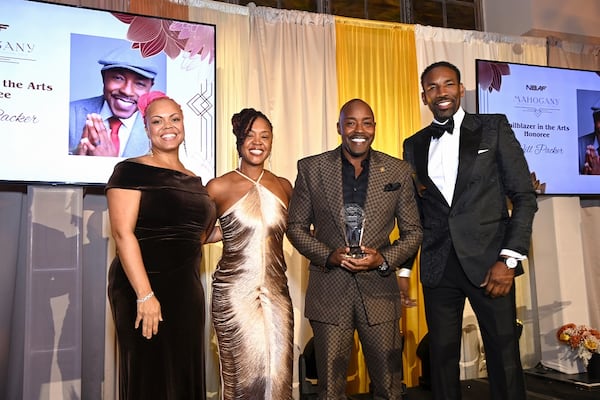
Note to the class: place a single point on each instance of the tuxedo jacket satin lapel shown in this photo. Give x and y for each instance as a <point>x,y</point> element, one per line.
<point>470,138</point>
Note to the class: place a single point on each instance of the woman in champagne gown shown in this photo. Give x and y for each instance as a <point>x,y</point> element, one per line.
<point>251,306</point>
<point>160,214</point>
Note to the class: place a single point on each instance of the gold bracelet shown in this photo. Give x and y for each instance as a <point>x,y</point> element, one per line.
<point>145,298</point>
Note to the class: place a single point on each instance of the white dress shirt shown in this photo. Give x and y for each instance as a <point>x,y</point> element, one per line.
<point>443,158</point>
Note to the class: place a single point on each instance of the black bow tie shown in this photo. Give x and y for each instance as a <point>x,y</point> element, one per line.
<point>437,130</point>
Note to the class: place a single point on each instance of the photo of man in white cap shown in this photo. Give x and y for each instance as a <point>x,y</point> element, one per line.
<point>110,124</point>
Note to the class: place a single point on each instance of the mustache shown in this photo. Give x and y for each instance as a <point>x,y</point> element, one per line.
<point>445,98</point>
<point>124,98</point>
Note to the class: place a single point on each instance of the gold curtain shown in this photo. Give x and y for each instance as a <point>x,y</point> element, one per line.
<point>376,61</point>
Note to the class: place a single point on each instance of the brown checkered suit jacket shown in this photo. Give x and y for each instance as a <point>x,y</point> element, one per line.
<point>318,200</point>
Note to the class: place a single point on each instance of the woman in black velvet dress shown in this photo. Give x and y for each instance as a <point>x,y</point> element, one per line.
<point>160,215</point>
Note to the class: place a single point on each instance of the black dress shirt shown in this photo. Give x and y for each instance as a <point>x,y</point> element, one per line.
<point>355,187</point>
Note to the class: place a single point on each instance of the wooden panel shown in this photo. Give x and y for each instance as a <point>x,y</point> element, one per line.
<point>461,16</point>
<point>428,13</point>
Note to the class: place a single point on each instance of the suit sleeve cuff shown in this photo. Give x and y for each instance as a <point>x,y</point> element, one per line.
<point>328,265</point>
<point>404,272</point>
<point>513,254</point>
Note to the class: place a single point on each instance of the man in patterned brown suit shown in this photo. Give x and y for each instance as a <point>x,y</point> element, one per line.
<point>344,293</point>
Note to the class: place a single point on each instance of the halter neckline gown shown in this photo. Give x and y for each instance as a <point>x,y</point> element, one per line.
<point>251,306</point>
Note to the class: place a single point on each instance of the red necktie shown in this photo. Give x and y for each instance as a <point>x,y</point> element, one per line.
<point>114,123</point>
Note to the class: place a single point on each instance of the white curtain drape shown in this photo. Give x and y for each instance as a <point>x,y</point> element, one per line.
<point>575,55</point>
<point>462,48</point>
<point>590,229</point>
<point>293,80</point>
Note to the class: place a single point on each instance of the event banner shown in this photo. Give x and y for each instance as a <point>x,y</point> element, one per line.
<point>555,114</point>
<point>60,64</point>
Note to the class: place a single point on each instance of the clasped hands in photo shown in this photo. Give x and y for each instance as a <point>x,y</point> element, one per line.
<point>95,139</point>
<point>592,162</point>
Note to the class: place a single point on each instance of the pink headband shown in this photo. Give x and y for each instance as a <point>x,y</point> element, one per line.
<point>147,98</point>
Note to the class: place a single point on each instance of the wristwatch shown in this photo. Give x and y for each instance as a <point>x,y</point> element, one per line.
<point>384,269</point>
<point>510,262</point>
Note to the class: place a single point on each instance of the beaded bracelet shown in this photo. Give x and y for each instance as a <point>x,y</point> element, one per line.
<point>145,298</point>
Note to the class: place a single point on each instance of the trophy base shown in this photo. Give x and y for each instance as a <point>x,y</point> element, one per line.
<point>355,252</point>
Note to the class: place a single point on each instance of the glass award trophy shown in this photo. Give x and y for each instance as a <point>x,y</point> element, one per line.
<point>354,219</point>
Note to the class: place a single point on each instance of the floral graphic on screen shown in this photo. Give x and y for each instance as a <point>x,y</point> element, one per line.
<point>490,74</point>
<point>152,35</point>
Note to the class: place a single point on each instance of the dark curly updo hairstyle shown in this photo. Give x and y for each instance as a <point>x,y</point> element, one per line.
<point>242,123</point>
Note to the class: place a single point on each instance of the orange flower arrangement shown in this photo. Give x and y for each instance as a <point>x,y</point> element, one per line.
<point>584,340</point>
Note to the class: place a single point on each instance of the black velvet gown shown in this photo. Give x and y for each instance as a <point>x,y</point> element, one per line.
<point>174,212</point>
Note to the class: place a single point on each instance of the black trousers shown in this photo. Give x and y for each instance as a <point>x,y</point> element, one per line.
<point>444,306</point>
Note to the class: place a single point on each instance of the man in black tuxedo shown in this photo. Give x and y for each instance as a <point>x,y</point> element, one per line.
<point>472,246</point>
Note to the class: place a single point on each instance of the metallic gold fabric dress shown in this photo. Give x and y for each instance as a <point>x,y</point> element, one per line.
<point>251,306</point>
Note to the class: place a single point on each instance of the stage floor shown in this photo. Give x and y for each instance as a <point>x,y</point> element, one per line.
<point>562,386</point>
<point>542,384</point>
